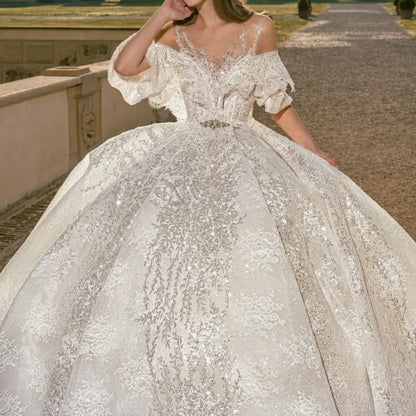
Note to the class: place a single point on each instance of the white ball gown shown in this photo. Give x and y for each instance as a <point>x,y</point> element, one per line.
<point>209,266</point>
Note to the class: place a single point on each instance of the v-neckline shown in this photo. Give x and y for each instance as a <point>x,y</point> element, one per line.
<point>228,59</point>
<point>213,69</point>
<point>202,52</point>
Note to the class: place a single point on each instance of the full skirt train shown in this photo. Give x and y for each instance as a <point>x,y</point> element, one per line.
<point>180,271</point>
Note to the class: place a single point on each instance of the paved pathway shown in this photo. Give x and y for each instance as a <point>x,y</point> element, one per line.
<point>18,220</point>
<point>355,69</point>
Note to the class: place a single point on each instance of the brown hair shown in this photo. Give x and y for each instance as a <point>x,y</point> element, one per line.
<point>228,10</point>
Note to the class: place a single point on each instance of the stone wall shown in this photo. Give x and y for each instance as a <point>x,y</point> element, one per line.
<point>26,52</point>
<point>49,122</point>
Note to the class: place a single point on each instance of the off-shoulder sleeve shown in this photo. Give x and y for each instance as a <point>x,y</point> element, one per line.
<point>151,83</point>
<point>272,79</point>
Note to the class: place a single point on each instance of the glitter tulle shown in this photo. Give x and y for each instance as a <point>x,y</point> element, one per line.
<point>209,266</point>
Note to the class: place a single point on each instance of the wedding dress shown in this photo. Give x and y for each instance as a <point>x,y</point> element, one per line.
<point>209,266</point>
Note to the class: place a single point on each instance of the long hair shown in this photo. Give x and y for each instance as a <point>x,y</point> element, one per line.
<point>228,10</point>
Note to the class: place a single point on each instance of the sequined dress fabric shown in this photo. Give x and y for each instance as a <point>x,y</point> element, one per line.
<point>209,266</point>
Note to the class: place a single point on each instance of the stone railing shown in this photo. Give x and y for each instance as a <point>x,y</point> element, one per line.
<point>49,122</point>
<point>27,51</point>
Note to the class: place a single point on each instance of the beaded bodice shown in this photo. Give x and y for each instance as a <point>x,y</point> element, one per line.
<point>228,97</point>
<point>198,86</point>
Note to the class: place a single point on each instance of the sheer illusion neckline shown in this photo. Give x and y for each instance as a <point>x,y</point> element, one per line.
<point>203,53</point>
<point>227,60</point>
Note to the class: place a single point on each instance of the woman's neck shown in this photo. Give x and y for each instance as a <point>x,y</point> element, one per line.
<point>207,15</point>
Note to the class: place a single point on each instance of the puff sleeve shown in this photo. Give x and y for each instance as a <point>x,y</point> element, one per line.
<point>272,79</point>
<point>152,83</point>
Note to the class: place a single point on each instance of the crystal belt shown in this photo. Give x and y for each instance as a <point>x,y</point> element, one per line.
<point>213,124</point>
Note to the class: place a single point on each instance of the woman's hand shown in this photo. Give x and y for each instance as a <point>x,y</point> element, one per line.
<point>291,123</point>
<point>131,57</point>
<point>327,158</point>
<point>175,9</point>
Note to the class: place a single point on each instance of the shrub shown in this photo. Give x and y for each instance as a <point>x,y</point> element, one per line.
<point>406,4</point>
<point>304,4</point>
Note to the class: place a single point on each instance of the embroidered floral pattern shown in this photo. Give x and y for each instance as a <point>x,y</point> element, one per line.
<point>10,405</point>
<point>89,399</point>
<point>258,313</point>
<point>259,250</point>
<point>8,352</point>
<point>209,266</point>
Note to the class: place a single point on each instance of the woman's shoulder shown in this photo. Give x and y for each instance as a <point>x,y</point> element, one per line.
<point>256,17</point>
<point>265,29</point>
<point>260,19</point>
<point>167,35</point>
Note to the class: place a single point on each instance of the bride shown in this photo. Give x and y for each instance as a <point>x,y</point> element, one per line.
<point>216,35</point>
<point>209,265</point>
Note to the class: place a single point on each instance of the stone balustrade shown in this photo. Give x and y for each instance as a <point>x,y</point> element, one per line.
<point>27,51</point>
<point>49,122</point>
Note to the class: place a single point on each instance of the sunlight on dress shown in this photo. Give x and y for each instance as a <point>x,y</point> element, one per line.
<point>209,266</point>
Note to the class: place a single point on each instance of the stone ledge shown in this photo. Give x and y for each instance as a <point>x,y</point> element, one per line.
<point>27,52</point>
<point>49,123</point>
<point>102,33</point>
<point>23,89</point>
<point>66,71</point>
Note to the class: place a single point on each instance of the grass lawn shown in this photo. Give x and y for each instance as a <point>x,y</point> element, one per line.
<point>63,22</point>
<point>62,10</point>
<point>285,27</point>
<point>128,16</point>
<point>408,24</point>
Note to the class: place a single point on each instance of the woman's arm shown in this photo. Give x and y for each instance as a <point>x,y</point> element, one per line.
<point>287,118</point>
<point>131,59</point>
<point>289,121</point>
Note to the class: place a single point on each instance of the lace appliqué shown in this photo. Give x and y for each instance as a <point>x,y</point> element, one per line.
<point>186,290</point>
<point>213,64</point>
<point>10,405</point>
<point>8,352</point>
<point>90,399</point>
<point>258,251</point>
<point>98,338</point>
<point>258,313</point>
<point>135,376</point>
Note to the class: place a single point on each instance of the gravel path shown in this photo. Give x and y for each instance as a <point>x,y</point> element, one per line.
<point>354,70</point>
